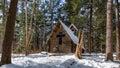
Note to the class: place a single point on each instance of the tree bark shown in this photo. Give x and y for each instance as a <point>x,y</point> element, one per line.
<point>7,42</point>
<point>26,21</point>
<point>78,52</point>
<point>109,55</point>
<point>117,31</point>
<point>90,28</point>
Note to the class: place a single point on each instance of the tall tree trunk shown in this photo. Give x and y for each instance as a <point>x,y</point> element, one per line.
<point>7,42</point>
<point>117,31</point>
<point>109,55</point>
<point>26,21</point>
<point>90,28</point>
<point>31,28</point>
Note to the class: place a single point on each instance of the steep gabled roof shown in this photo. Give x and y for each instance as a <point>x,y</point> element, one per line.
<point>69,32</point>
<point>72,25</point>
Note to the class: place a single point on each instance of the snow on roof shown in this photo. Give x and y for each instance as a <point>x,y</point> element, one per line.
<point>70,33</point>
<point>72,25</point>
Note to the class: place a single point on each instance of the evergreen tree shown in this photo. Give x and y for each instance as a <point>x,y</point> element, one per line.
<point>109,43</point>
<point>7,42</point>
<point>117,31</point>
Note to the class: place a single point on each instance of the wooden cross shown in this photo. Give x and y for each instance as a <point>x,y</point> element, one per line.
<point>60,35</point>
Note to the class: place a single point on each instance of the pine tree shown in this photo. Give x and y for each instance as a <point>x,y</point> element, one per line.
<point>117,32</point>
<point>90,27</point>
<point>7,42</point>
<point>109,55</point>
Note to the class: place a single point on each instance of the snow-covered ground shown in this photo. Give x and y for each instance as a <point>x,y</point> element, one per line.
<point>43,60</point>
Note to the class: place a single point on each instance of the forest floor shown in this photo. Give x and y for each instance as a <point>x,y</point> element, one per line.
<point>48,60</point>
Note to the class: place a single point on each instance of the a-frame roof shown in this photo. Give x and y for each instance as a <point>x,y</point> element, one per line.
<point>72,25</point>
<point>69,32</point>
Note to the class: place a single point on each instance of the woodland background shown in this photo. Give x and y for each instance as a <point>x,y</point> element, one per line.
<point>35,19</point>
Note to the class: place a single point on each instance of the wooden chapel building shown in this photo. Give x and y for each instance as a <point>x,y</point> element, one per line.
<point>61,39</point>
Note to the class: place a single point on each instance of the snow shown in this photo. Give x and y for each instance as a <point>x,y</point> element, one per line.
<point>49,60</point>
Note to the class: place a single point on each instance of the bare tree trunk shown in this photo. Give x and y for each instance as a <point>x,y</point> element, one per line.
<point>109,55</point>
<point>26,20</point>
<point>7,42</point>
<point>117,31</point>
<point>78,52</point>
<point>31,28</point>
<point>90,28</point>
